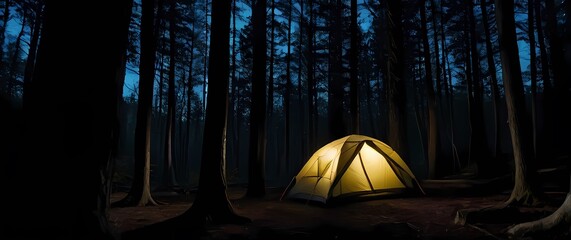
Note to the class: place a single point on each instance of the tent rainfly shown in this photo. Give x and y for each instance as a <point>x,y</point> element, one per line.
<point>352,166</point>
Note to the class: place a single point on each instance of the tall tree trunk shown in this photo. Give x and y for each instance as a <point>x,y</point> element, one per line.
<point>32,51</point>
<point>370,98</point>
<point>469,91</point>
<point>160,33</point>
<point>288,88</point>
<point>438,67</point>
<point>270,105</point>
<point>395,80</point>
<point>545,148</point>
<point>523,191</point>
<point>543,58</point>
<point>472,75</point>
<point>354,71</point>
<point>448,88</point>
<point>182,146</point>
<point>438,76</point>
<point>447,80</point>
<point>433,143</point>
<point>533,72</point>
<point>211,203</point>
<point>302,132</point>
<point>159,68</point>
<point>257,158</point>
<point>5,18</point>
<point>561,85</point>
<point>169,176</point>
<point>162,45</point>
<point>418,107</point>
<point>444,58</point>
<point>311,88</point>
<point>337,126</point>
<point>189,87</point>
<point>555,45</point>
<point>233,98</point>
<point>140,192</point>
<point>493,80</point>
<point>479,151</point>
<point>271,128</point>
<point>205,63</point>
<point>83,139</point>
<point>382,56</point>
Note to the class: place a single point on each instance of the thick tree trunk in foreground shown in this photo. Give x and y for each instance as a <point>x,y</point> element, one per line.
<point>211,204</point>
<point>69,137</point>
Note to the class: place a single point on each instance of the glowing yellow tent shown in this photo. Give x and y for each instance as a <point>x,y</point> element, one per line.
<point>354,165</point>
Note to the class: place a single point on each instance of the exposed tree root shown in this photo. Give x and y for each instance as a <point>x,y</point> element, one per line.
<point>491,214</point>
<point>524,198</point>
<point>501,213</point>
<point>560,219</point>
<point>131,201</point>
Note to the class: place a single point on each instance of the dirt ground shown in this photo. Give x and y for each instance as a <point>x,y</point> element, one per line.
<point>421,217</point>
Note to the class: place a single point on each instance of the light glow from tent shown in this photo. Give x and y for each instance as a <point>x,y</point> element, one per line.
<point>351,166</point>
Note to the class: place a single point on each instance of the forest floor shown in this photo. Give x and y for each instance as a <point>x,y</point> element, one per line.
<point>424,217</point>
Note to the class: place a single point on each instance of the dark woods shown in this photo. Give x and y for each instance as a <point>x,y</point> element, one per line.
<point>165,95</point>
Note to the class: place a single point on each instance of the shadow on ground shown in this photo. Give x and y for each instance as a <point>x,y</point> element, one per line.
<point>411,217</point>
